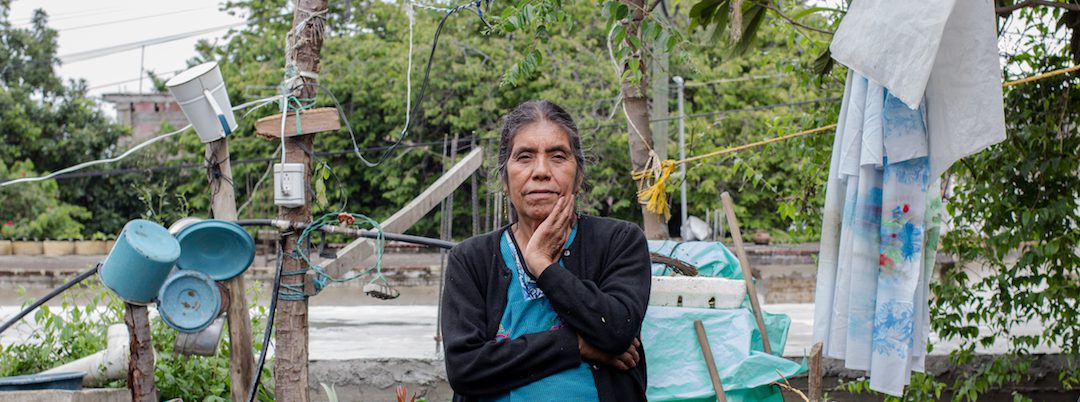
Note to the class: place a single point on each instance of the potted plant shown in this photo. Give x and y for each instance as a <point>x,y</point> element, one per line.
<point>26,246</point>
<point>94,246</point>
<point>110,241</point>
<point>7,230</point>
<point>60,247</point>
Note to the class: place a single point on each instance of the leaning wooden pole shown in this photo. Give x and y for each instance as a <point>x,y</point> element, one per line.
<point>744,262</point>
<point>291,321</point>
<point>223,206</point>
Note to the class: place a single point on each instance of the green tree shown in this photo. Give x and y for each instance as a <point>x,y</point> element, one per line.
<point>54,125</point>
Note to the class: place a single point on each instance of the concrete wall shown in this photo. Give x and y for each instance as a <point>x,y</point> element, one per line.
<point>373,380</point>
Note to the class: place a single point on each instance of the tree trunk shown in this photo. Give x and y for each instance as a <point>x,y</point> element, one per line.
<point>223,206</point>
<point>291,354</point>
<point>636,101</point>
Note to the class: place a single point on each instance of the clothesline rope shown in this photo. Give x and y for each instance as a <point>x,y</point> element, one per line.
<point>654,196</point>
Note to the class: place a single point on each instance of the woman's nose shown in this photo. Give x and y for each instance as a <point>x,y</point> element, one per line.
<point>542,169</point>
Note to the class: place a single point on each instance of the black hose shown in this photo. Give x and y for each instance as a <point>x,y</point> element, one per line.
<point>269,323</point>
<point>423,241</point>
<point>74,281</point>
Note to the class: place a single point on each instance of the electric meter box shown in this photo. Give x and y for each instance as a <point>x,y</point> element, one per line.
<point>289,185</point>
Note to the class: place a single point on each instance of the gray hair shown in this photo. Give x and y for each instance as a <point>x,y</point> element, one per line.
<point>533,112</point>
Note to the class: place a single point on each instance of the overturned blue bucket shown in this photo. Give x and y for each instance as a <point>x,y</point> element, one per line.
<point>189,301</point>
<point>217,248</point>
<point>140,261</point>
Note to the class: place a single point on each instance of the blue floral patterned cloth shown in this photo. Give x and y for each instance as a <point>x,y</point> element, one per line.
<point>879,237</point>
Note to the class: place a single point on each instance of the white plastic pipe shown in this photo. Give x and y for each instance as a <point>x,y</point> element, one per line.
<point>106,365</point>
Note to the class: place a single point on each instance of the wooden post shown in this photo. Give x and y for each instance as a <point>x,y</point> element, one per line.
<point>475,197</point>
<point>223,206</point>
<point>141,363</point>
<point>291,320</point>
<point>706,350</point>
<point>636,108</point>
<point>748,277</point>
<point>817,373</point>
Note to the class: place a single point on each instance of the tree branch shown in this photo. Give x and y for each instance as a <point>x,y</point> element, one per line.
<point>1006,10</point>
<point>792,21</point>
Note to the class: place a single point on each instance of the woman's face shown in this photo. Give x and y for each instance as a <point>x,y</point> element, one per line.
<point>541,168</point>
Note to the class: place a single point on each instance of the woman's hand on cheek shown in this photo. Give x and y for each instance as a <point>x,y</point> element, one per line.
<point>547,242</point>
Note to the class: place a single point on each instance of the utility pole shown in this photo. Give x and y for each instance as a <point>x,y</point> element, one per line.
<point>223,206</point>
<point>291,353</point>
<point>636,102</point>
<point>684,228</point>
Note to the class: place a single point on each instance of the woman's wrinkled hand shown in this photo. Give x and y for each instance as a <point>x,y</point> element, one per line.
<point>547,242</point>
<point>623,361</point>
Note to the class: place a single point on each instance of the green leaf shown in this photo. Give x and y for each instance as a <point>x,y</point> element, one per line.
<point>621,11</point>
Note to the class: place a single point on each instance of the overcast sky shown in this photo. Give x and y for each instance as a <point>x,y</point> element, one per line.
<point>90,25</point>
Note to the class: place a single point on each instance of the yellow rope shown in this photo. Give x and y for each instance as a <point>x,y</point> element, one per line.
<point>1041,76</point>
<point>655,196</point>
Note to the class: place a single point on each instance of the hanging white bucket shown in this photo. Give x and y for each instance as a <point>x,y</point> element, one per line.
<point>201,93</point>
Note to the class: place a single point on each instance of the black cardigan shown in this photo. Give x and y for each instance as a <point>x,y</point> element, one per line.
<point>602,294</point>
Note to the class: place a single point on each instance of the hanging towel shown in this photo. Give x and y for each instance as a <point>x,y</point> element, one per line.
<point>878,239</point>
<point>943,51</point>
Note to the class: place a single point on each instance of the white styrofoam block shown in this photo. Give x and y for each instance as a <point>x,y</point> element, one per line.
<point>289,185</point>
<point>696,291</point>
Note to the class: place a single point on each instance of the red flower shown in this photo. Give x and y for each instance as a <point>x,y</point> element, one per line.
<point>905,208</point>
<point>10,223</point>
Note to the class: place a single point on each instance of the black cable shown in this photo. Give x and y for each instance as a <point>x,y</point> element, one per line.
<point>74,281</point>
<point>269,323</point>
<point>423,241</point>
<point>419,97</point>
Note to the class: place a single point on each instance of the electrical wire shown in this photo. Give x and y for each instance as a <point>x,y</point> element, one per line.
<point>98,24</point>
<point>74,281</point>
<point>269,323</point>
<point>130,151</point>
<point>410,118</point>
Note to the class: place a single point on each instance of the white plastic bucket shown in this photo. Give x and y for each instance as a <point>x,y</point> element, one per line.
<point>201,93</point>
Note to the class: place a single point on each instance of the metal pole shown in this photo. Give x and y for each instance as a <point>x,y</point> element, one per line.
<point>142,67</point>
<point>683,227</point>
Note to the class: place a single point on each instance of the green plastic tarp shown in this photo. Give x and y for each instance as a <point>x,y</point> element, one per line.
<point>711,258</point>
<point>676,366</point>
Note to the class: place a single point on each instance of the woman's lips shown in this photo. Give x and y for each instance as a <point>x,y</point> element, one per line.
<point>541,194</point>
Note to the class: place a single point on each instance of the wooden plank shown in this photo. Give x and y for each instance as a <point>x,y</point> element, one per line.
<point>312,121</point>
<point>353,254</point>
<point>816,374</point>
<point>706,351</point>
<point>223,206</point>
<point>748,277</point>
<point>141,361</point>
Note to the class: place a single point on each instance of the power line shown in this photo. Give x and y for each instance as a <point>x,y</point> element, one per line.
<point>105,51</point>
<point>98,24</point>
<point>163,76</point>
<point>27,21</point>
<point>186,166</point>
<point>726,111</point>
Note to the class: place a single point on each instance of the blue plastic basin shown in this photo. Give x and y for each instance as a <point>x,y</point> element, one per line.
<point>140,261</point>
<point>189,301</point>
<point>220,249</point>
<point>62,381</point>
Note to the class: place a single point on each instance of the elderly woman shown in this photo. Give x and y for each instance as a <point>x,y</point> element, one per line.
<point>548,308</point>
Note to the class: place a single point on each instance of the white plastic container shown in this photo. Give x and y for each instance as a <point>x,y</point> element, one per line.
<point>201,93</point>
<point>697,291</point>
